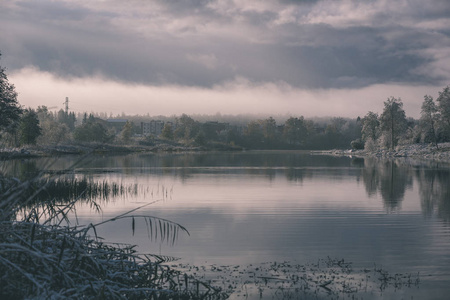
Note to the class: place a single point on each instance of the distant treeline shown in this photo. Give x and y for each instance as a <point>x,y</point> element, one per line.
<point>41,126</point>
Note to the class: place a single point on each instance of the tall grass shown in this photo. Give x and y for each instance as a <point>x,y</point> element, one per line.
<point>43,256</point>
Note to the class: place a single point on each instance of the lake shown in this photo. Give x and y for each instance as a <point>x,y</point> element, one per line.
<point>259,214</point>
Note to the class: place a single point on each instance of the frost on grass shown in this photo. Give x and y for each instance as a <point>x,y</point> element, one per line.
<point>43,256</point>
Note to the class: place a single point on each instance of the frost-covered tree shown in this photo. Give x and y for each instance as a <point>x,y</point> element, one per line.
<point>429,117</point>
<point>370,130</point>
<point>127,131</point>
<point>53,132</point>
<point>167,131</point>
<point>444,108</point>
<point>393,121</point>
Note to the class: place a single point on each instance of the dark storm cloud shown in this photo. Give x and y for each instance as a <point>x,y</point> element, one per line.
<point>306,44</point>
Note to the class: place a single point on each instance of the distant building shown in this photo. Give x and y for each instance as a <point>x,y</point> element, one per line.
<point>117,124</point>
<point>153,127</point>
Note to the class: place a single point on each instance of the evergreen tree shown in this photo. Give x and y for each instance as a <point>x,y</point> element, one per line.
<point>269,130</point>
<point>10,109</point>
<point>253,134</point>
<point>29,129</point>
<point>67,118</point>
<point>85,118</point>
<point>91,131</point>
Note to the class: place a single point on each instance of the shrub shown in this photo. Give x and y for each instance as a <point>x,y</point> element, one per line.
<point>357,144</point>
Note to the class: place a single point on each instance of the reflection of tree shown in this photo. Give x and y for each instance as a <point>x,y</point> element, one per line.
<point>394,180</point>
<point>434,191</point>
<point>294,174</point>
<point>427,191</point>
<point>298,175</point>
<point>22,169</point>
<point>388,177</point>
<point>370,176</point>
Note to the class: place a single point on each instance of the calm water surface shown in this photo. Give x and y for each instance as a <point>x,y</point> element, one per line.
<point>255,207</point>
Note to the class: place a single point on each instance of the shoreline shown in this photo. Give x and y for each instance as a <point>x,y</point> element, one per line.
<point>92,148</point>
<point>416,151</point>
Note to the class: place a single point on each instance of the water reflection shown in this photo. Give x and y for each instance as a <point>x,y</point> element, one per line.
<point>388,178</point>
<point>41,194</point>
<point>261,206</point>
<point>434,190</point>
<point>391,178</point>
<point>22,169</point>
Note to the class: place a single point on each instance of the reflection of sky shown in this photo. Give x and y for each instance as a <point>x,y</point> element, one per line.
<point>248,219</point>
<point>243,208</point>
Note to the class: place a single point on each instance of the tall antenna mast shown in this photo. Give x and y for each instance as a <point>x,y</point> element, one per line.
<point>66,103</point>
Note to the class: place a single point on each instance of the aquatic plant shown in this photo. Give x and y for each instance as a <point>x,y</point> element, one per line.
<point>43,256</point>
<point>327,278</point>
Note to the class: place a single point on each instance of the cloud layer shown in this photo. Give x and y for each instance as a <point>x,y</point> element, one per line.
<point>236,97</point>
<point>307,46</point>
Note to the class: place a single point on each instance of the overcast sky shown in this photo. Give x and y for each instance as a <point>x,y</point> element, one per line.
<point>311,58</point>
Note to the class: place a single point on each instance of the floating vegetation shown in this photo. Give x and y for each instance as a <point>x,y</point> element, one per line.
<point>327,279</point>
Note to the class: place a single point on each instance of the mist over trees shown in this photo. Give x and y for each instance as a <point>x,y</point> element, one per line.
<point>387,130</point>
<point>19,126</point>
